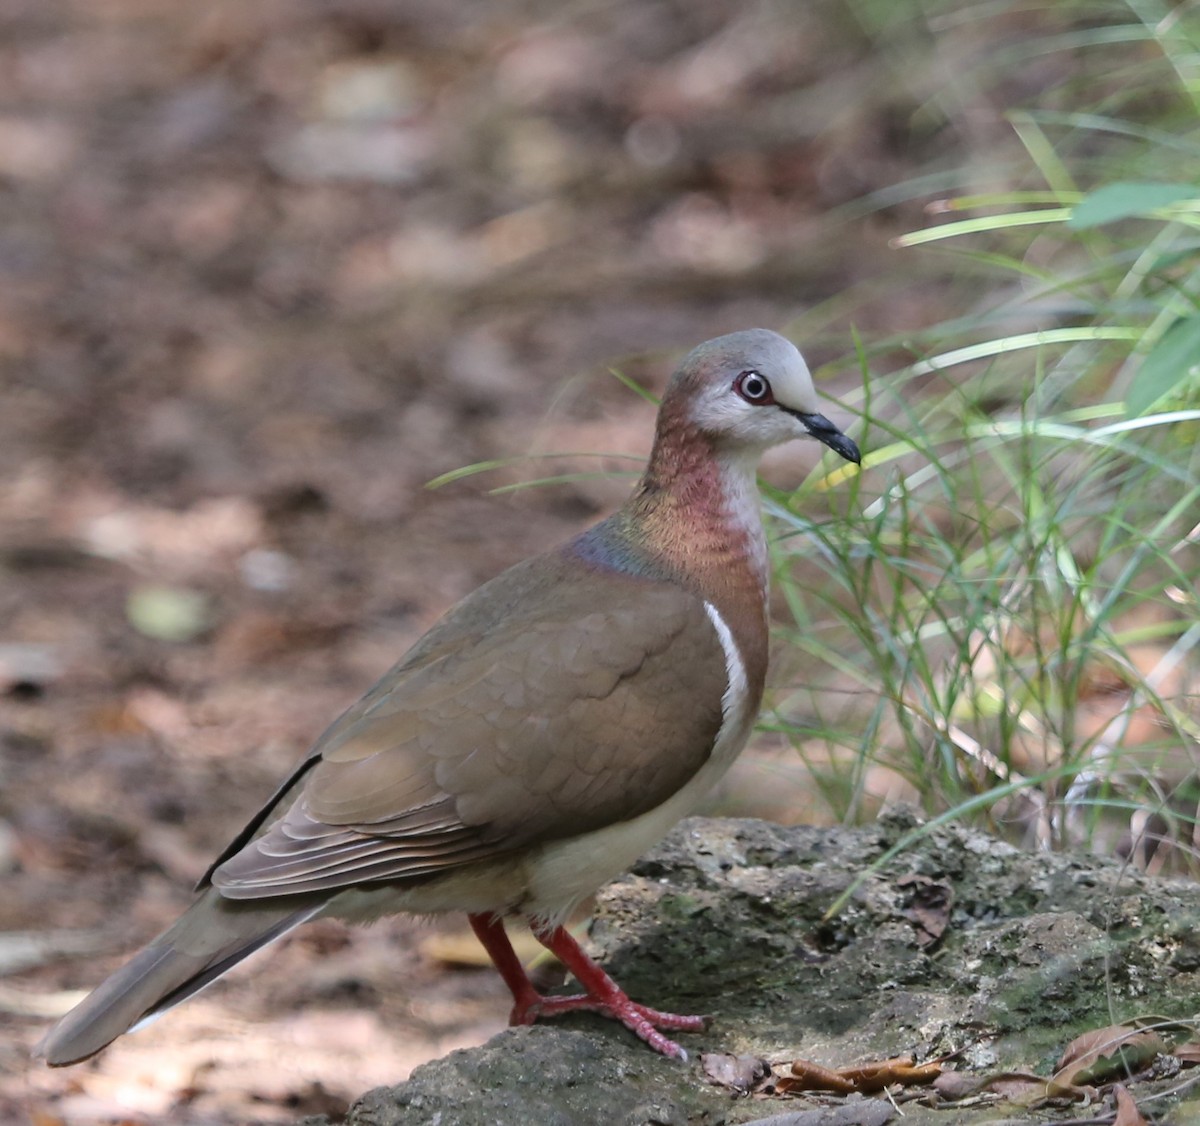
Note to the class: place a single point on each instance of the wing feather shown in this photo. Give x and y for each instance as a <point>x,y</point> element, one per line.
<point>536,710</point>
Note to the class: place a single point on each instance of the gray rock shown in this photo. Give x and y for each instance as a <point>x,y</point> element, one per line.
<point>548,1075</point>
<point>727,918</point>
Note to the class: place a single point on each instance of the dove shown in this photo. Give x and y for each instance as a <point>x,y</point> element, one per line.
<point>546,731</point>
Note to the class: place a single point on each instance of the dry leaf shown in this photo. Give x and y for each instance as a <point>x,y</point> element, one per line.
<point>1104,1053</point>
<point>953,1085</point>
<point>928,906</point>
<point>738,1073</point>
<point>867,1078</point>
<point>873,1077</point>
<point>1188,1054</point>
<point>809,1076</point>
<point>1127,1111</point>
<point>1018,1087</point>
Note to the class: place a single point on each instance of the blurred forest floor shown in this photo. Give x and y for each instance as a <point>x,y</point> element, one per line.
<point>265,270</point>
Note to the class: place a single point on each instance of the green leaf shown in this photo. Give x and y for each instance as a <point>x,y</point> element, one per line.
<point>634,386</point>
<point>168,613</point>
<point>1124,200</point>
<point>1173,359</point>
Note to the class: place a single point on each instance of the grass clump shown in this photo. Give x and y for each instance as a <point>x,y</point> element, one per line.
<point>1003,619</point>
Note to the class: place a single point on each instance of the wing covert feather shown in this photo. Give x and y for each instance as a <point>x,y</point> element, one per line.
<point>544,705</point>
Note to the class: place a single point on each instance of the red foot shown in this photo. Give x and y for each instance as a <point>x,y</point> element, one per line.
<point>603,995</point>
<point>643,1022</point>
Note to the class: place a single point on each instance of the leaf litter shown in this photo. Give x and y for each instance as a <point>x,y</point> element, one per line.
<point>1095,1065</point>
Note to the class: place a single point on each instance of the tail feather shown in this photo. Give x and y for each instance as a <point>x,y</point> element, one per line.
<point>212,936</point>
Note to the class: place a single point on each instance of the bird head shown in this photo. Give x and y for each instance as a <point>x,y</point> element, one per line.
<point>749,391</point>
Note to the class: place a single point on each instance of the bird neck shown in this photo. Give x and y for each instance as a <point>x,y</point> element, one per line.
<point>699,509</point>
<point>695,520</point>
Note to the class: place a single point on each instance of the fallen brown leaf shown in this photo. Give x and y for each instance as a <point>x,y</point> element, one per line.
<point>957,1085</point>
<point>903,1071</point>
<point>1104,1053</point>
<point>1018,1087</point>
<point>809,1076</point>
<point>1127,1111</point>
<point>928,906</point>
<point>738,1073</point>
<point>1188,1054</point>
<point>866,1078</point>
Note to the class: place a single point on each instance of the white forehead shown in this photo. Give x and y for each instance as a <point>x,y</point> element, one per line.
<point>774,357</point>
<point>779,361</point>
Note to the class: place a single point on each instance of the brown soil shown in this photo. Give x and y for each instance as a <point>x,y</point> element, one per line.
<point>265,270</point>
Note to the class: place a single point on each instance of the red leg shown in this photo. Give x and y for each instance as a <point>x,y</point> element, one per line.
<point>602,995</point>
<point>491,933</point>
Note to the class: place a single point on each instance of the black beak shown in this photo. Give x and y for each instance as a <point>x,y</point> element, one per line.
<point>824,431</point>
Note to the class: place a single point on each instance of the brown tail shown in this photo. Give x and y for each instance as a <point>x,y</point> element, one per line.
<point>212,936</point>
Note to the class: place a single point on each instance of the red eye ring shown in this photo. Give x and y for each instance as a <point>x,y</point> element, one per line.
<point>754,388</point>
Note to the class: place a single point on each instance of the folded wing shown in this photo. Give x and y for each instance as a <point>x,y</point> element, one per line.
<point>591,703</point>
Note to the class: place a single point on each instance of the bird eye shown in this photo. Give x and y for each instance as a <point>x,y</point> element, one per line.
<point>753,388</point>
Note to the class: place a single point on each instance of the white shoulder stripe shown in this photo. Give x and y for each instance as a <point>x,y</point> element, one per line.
<point>736,686</point>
